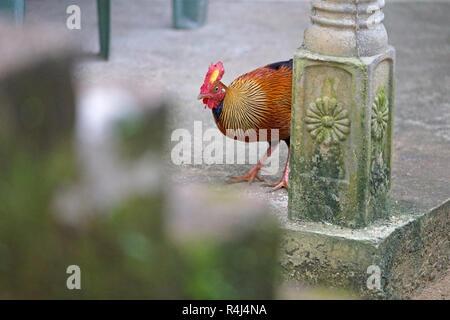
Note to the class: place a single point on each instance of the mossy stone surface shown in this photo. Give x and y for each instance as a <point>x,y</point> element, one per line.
<point>410,249</point>
<point>341,142</point>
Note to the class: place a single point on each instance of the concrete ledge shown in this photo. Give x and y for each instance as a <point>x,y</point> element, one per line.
<point>410,249</point>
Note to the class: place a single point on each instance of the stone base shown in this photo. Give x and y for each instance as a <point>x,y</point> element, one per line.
<point>409,249</point>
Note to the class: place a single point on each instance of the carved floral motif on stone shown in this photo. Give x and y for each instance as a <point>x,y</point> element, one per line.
<point>380,115</point>
<point>327,121</point>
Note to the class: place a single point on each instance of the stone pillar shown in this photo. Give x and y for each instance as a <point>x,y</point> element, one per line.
<point>342,116</point>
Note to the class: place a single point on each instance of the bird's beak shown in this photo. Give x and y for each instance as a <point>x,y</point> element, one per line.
<point>202,96</point>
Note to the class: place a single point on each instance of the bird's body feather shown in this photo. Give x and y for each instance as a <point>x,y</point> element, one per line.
<point>260,99</point>
<point>254,107</point>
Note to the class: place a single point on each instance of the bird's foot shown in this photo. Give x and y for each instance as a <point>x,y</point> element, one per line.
<point>283,183</point>
<point>250,176</point>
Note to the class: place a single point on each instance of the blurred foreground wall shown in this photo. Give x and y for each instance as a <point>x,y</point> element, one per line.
<point>74,198</point>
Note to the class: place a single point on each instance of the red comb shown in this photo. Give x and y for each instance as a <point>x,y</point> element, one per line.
<point>215,73</point>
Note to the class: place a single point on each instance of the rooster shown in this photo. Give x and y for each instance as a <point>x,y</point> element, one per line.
<point>260,99</point>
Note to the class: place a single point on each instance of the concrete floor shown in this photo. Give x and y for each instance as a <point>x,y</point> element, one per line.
<point>148,54</point>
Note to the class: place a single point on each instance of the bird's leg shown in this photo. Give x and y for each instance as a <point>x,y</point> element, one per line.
<point>253,173</point>
<point>285,177</point>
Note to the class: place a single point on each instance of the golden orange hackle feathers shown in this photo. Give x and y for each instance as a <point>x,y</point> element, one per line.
<point>260,99</point>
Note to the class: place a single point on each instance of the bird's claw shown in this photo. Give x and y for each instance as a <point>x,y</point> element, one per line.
<point>283,183</point>
<point>250,177</point>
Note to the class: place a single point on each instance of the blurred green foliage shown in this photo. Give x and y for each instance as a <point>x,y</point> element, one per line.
<point>240,268</point>
<point>123,253</point>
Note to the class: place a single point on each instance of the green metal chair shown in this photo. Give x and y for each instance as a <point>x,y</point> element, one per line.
<point>16,8</point>
<point>189,14</point>
<point>104,26</point>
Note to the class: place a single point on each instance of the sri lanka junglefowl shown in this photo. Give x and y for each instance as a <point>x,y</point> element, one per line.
<point>260,99</point>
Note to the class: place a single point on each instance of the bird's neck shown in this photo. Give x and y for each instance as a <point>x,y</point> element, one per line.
<point>235,97</point>
<point>232,99</point>
<point>242,99</point>
<point>218,110</point>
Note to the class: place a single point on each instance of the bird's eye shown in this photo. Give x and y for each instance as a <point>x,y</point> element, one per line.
<point>216,89</point>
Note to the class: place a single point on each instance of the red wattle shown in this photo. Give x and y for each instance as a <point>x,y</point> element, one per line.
<point>211,104</point>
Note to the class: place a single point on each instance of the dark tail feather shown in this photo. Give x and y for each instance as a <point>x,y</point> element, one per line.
<point>278,65</point>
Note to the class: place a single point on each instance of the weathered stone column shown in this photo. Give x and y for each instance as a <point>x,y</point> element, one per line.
<point>341,137</point>
<point>341,147</point>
